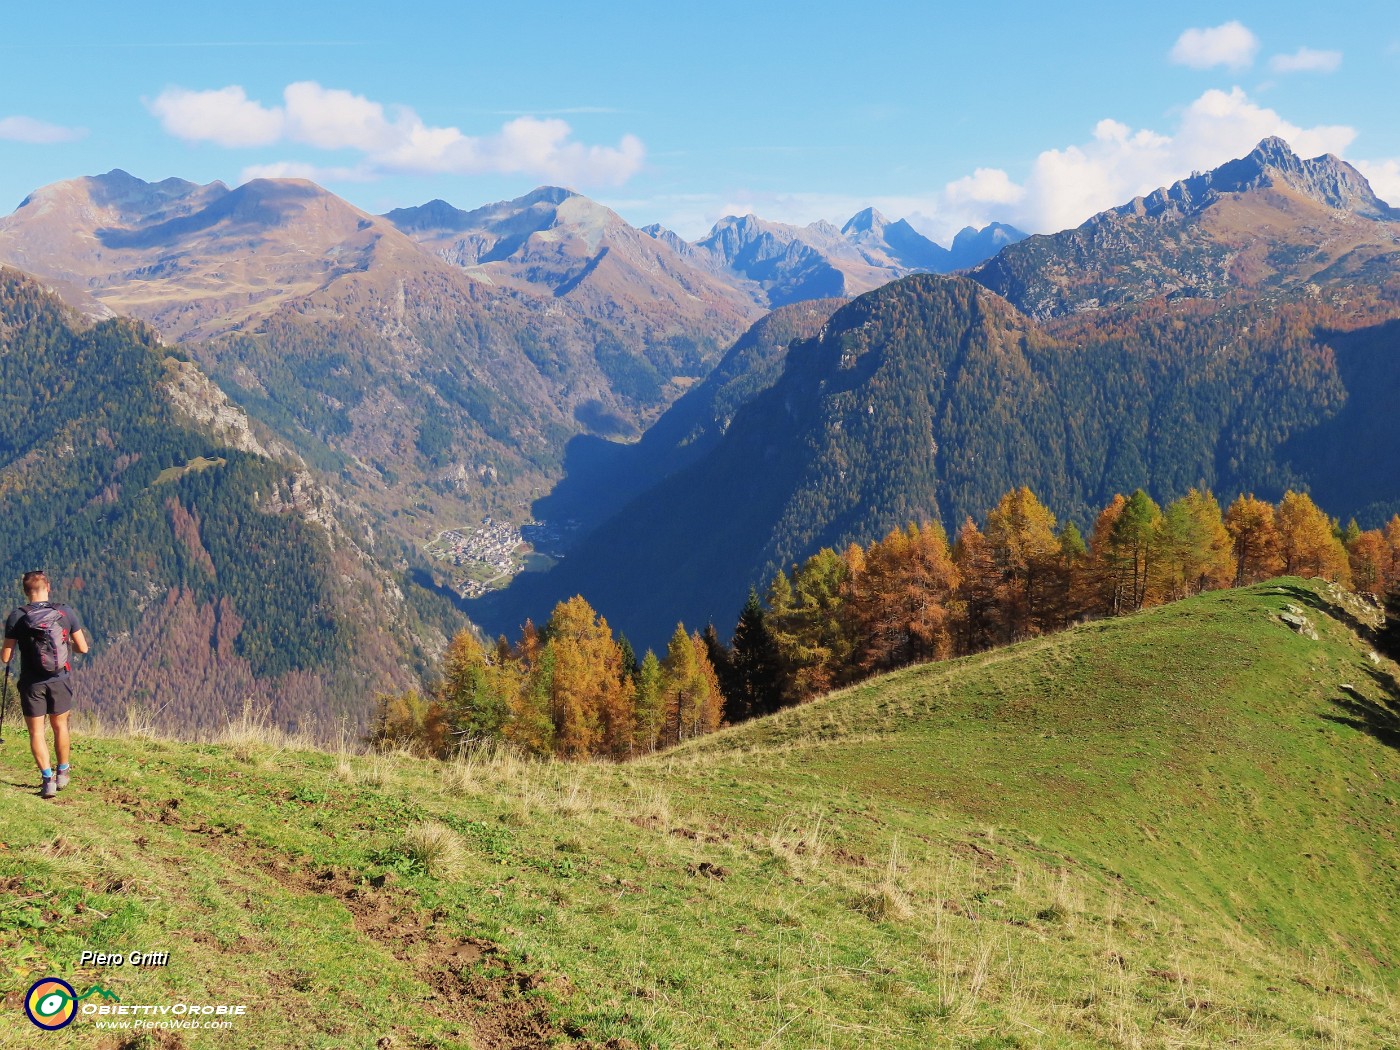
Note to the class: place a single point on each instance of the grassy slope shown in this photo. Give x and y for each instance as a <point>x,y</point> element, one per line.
<point>1169,830</point>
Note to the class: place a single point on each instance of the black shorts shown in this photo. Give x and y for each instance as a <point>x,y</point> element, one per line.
<point>51,696</point>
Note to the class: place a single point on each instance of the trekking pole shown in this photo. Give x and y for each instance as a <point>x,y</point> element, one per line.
<point>4,703</point>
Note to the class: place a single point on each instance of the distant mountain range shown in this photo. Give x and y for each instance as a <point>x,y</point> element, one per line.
<point>434,360</point>
<point>1238,330</point>
<point>778,264</point>
<point>1268,223</point>
<point>434,394</point>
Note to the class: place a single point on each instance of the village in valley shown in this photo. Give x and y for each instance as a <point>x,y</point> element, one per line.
<point>489,555</point>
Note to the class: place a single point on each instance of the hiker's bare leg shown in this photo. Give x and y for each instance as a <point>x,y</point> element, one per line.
<point>38,741</point>
<point>60,736</point>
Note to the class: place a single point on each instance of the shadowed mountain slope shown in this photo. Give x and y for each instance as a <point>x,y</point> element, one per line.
<point>602,476</point>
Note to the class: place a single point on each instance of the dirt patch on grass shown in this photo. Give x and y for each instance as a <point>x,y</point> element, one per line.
<point>498,1004</point>
<point>707,870</point>
<point>710,834</point>
<point>156,812</point>
<point>473,981</point>
<point>844,856</point>
<point>981,855</point>
<point>512,1015</point>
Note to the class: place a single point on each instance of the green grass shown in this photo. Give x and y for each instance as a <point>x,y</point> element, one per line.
<point>1174,829</point>
<point>193,466</point>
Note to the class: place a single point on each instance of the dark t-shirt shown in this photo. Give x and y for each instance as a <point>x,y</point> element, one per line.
<point>30,669</point>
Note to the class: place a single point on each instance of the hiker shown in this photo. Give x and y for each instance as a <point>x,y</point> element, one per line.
<point>45,633</point>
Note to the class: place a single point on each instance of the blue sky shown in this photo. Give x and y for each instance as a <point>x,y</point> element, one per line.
<point>682,113</point>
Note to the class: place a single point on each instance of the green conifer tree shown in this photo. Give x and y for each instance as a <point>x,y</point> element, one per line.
<point>629,657</point>
<point>756,666</point>
<point>722,659</point>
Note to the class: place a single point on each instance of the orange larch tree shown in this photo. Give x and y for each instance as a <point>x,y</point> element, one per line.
<point>1021,534</point>
<point>900,601</point>
<point>1369,557</point>
<point>589,695</point>
<point>1250,523</point>
<point>978,620</point>
<point>1308,540</point>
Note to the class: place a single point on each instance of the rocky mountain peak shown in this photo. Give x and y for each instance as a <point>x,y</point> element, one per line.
<point>1275,151</point>
<point>1326,179</point>
<point>546,195</point>
<point>437,214</point>
<point>867,221</point>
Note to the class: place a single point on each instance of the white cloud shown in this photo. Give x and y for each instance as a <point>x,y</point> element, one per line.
<point>292,169</point>
<point>226,117</point>
<point>394,140</point>
<point>328,118</point>
<point>1230,45</point>
<point>1307,60</point>
<point>37,132</point>
<point>1066,186</point>
<point>984,186</point>
<point>1384,177</point>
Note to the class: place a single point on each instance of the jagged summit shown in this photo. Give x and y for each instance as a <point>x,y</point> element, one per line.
<point>972,246</point>
<point>867,221</point>
<point>790,263</point>
<point>1327,180</point>
<point>1274,149</point>
<point>536,210</point>
<point>1267,220</point>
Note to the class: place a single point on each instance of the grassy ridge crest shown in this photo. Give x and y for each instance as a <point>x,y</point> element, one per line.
<point>1170,829</point>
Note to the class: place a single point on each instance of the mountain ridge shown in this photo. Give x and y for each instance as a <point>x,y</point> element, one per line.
<point>930,397</point>
<point>1266,222</point>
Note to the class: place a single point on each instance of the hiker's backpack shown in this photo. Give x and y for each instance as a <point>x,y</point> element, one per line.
<point>50,636</point>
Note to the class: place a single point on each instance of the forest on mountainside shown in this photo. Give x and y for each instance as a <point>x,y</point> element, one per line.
<point>203,585</point>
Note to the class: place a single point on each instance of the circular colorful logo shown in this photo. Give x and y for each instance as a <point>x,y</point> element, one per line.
<point>51,1003</point>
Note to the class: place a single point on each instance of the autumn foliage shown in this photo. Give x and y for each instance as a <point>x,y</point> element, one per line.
<point>572,690</point>
<point>566,691</point>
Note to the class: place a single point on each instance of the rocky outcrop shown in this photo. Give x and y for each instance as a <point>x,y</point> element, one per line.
<point>200,400</point>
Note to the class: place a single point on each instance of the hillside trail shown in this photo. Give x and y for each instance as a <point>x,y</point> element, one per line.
<point>474,984</point>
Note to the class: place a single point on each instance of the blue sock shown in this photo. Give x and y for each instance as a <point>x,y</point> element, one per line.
<point>63,767</point>
<point>46,773</point>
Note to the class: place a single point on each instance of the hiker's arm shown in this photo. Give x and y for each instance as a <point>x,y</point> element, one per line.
<point>7,650</point>
<point>80,641</point>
